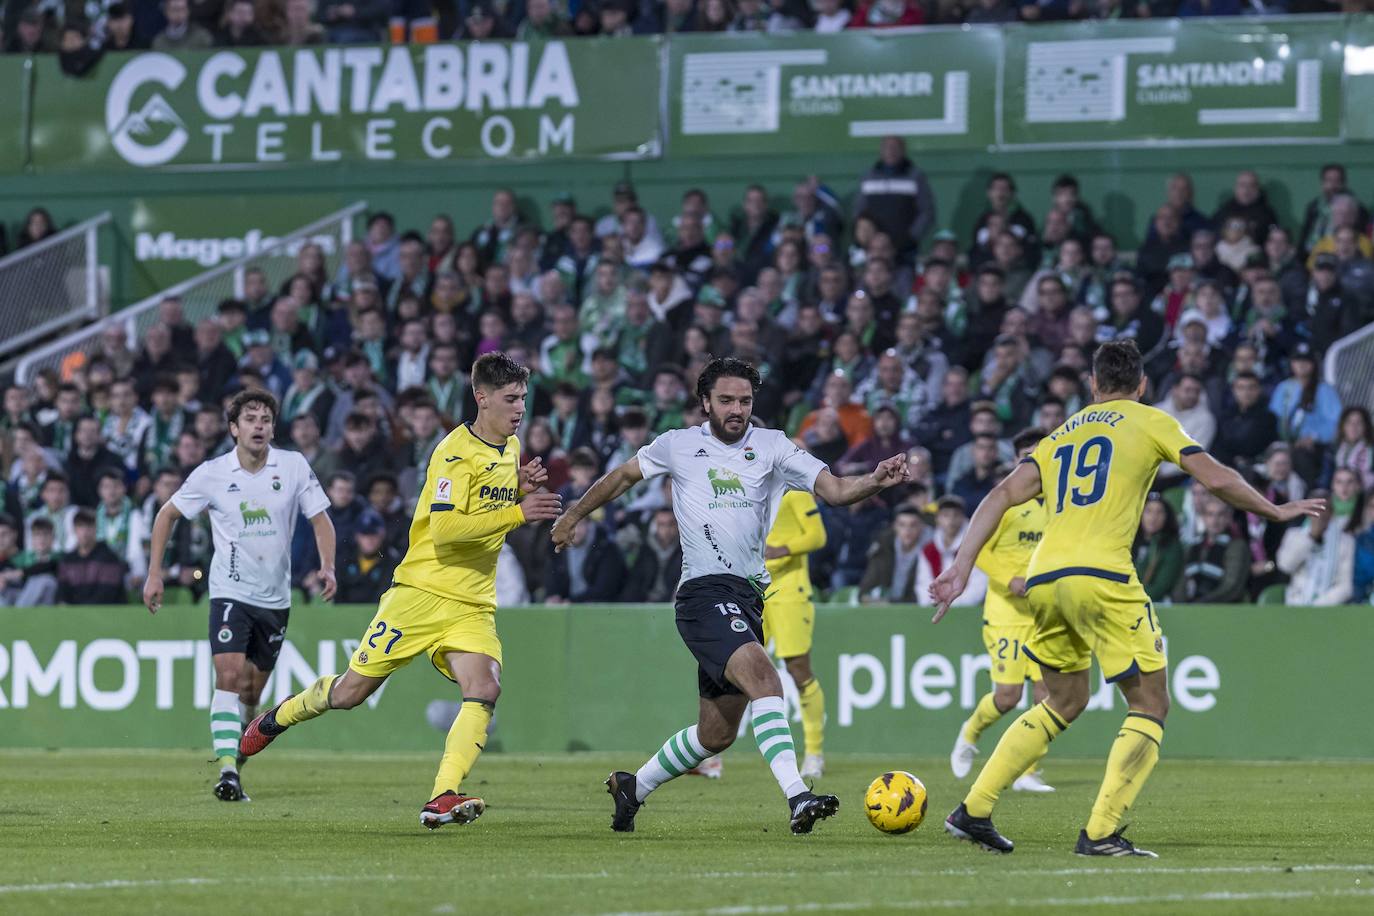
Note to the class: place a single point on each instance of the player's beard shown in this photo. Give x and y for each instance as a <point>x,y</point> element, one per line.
<point>722,432</point>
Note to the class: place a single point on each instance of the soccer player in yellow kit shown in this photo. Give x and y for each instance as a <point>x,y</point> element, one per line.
<point>789,617</point>
<point>1007,624</point>
<point>1094,472</point>
<point>443,598</point>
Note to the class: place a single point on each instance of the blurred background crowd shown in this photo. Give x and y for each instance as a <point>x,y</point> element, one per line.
<point>875,329</point>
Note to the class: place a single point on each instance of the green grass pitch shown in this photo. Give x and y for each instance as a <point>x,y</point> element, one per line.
<point>138,832</point>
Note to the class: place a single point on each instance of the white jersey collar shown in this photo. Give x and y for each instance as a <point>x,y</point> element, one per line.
<point>744,440</point>
<point>236,465</point>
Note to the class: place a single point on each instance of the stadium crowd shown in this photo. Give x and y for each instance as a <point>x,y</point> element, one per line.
<point>81,29</point>
<point>875,331</point>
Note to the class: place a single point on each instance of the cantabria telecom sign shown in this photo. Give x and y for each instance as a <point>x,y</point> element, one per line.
<point>481,100</point>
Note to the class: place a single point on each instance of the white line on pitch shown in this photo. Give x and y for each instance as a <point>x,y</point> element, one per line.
<point>969,872</point>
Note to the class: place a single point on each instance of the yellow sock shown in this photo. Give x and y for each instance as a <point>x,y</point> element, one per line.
<point>466,737</point>
<point>311,702</point>
<point>813,716</point>
<point>984,714</point>
<point>1134,755</point>
<point>1023,744</point>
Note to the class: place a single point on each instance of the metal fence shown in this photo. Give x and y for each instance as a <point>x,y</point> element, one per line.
<point>51,284</point>
<point>1350,368</point>
<point>201,295</point>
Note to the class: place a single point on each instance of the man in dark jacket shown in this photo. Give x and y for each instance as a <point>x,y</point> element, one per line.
<point>590,569</point>
<point>1247,202</point>
<point>92,573</point>
<point>898,196</point>
<point>1248,428</point>
<point>365,574</point>
<point>1217,568</point>
<point>657,566</point>
<point>87,459</point>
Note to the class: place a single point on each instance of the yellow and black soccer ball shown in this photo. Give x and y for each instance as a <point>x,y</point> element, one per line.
<point>896,802</point>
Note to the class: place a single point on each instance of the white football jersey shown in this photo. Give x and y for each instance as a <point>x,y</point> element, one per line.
<point>726,497</point>
<point>252,517</point>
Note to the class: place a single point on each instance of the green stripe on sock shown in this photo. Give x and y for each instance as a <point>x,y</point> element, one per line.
<point>679,743</point>
<point>224,717</point>
<point>225,736</point>
<point>761,736</point>
<point>666,764</point>
<point>761,718</point>
<point>777,749</point>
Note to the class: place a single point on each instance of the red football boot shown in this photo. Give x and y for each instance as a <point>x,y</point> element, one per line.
<point>451,808</point>
<point>256,737</point>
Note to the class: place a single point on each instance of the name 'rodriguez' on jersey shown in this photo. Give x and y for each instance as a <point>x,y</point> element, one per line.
<point>727,496</point>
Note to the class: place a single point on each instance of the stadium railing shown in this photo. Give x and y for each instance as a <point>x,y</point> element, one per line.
<point>202,294</point>
<point>51,284</point>
<point>1350,368</point>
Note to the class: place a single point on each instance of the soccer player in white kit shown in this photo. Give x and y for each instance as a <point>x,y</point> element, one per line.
<point>728,478</point>
<point>254,493</point>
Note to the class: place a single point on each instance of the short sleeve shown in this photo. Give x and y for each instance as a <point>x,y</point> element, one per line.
<point>1171,442</point>
<point>309,494</point>
<point>656,458</point>
<point>798,467</point>
<point>194,494</point>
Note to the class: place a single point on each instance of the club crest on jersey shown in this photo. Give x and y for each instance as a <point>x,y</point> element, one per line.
<point>225,634</point>
<point>749,453</point>
<point>276,482</point>
<point>362,658</point>
<point>739,626</point>
<point>256,515</point>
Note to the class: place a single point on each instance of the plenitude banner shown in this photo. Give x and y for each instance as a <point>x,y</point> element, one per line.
<point>1199,81</point>
<point>739,94</point>
<point>619,678</point>
<point>235,108</point>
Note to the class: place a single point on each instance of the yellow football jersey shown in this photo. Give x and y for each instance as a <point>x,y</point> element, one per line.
<point>1007,555</point>
<point>469,502</point>
<point>1095,472</point>
<point>798,527</point>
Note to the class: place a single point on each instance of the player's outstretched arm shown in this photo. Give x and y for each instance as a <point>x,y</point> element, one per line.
<point>1021,484</point>
<point>324,541</point>
<point>611,486</point>
<point>1227,485</point>
<point>162,530</point>
<point>449,525</point>
<point>842,491</point>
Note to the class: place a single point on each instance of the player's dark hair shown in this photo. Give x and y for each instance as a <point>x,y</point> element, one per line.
<point>497,370</point>
<point>1027,438</point>
<point>726,367</point>
<point>1117,367</point>
<point>250,396</point>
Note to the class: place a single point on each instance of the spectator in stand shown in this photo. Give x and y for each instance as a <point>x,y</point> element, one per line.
<point>898,197</point>
<point>1249,204</point>
<point>1319,556</point>
<point>238,30</point>
<point>983,475</point>
<point>55,506</point>
<point>353,23</point>
<point>90,573</point>
<point>886,441</point>
<point>365,575</point>
<point>542,21</point>
<point>951,521</point>
<point>38,563</point>
<point>11,576</point>
<point>1317,218</point>
<point>1247,427</point>
<point>88,457</point>
<point>591,569</point>
<point>1355,445</point>
<point>1166,239</point>
<point>1346,213</point>
<point>1158,552</point>
<point>1364,554</point>
<point>657,565</point>
<point>886,14</point>
<point>890,576</point>
<point>180,33</point>
<point>946,426</point>
<point>1308,411</point>
<point>1217,568</point>
<point>1186,403</point>
<point>1003,208</point>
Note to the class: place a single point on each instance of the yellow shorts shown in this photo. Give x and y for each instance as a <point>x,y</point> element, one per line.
<point>1080,615</point>
<point>411,621</point>
<point>789,627</point>
<point>1005,644</point>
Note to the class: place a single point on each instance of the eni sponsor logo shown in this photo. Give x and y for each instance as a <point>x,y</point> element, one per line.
<point>257,521</point>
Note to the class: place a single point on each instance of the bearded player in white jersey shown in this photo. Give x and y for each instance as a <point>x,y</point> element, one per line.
<point>254,494</point>
<point>728,478</point>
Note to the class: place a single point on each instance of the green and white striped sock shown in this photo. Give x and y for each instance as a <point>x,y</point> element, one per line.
<point>225,727</point>
<point>679,754</point>
<point>774,738</point>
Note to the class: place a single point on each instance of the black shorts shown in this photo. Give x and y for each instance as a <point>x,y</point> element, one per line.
<point>715,616</point>
<point>257,632</point>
